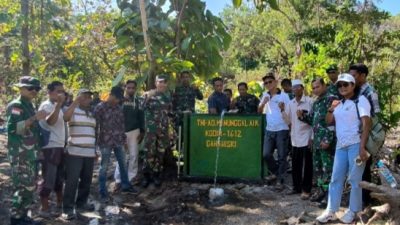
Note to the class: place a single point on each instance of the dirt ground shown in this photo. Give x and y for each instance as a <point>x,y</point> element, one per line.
<point>178,203</point>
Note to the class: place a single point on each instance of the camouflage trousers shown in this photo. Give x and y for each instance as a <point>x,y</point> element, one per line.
<point>323,163</point>
<point>155,144</point>
<point>23,174</point>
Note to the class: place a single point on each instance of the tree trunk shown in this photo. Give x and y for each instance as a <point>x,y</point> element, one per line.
<point>389,196</point>
<point>178,28</point>
<point>151,73</point>
<point>25,38</point>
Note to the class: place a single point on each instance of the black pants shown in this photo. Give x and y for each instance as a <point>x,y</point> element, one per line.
<point>302,169</point>
<point>367,177</point>
<point>78,173</point>
<point>52,171</point>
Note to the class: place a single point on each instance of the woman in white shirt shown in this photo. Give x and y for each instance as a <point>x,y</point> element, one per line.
<point>351,154</point>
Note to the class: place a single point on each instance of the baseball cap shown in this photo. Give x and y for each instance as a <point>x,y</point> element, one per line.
<point>84,91</point>
<point>297,82</point>
<point>345,77</point>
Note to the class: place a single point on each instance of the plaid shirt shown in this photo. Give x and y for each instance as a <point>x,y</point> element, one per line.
<point>369,92</point>
<point>110,125</point>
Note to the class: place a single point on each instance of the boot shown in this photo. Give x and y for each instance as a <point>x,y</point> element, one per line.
<point>145,180</point>
<point>157,180</point>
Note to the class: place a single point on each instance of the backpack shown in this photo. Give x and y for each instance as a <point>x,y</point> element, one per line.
<point>376,136</point>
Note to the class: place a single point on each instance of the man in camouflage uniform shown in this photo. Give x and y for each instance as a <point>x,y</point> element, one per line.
<point>245,103</point>
<point>23,145</point>
<point>157,107</point>
<point>333,74</point>
<point>184,98</point>
<point>324,137</point>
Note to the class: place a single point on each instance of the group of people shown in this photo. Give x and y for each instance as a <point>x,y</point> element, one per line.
<point>322,135</point>
<point>325,136</point>
<point>67,137</point>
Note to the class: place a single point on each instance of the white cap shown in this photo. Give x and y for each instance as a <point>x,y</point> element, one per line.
<point>297,82</point>
<point>346,78</point>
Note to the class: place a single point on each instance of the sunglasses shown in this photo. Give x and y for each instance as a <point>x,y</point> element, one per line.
<point>339,85</point>
<point>268,82</point>
<point>33,88</point>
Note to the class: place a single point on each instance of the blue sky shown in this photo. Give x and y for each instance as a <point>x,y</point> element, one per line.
<point>216,6</point>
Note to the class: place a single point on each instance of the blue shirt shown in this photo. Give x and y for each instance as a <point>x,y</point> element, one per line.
<point>218,101</point>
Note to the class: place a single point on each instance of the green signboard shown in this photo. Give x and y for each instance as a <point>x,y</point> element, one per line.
<point>240,146</point>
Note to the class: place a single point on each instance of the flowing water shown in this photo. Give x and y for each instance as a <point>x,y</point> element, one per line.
<point>218,144</point>
<point>216,194</point>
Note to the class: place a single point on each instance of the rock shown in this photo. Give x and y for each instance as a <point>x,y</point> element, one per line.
<point>132,205</point>
<point>94,221</point>
<point>201,187</point>
<point>111,210</point>
<point>295,220</point>
<point>249,190</point>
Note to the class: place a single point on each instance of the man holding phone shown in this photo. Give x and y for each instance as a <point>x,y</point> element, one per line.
<point>300,133</point>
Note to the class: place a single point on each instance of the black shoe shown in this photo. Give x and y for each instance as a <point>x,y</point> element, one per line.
<point>130,190</point>
<point>293,192</point>
<point>323,204</point>
<point>318,196</point>
<point>145,182</point>
<point>271,178</point>
<point>85,207</point>
<point>157,181</point>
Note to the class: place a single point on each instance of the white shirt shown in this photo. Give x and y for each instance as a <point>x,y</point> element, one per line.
<point>300,132</point>
<point>347,122</point>
<point>57,130</point>
<point>273,114</point>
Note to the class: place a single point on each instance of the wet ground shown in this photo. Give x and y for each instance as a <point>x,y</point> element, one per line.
<point>179,202</point>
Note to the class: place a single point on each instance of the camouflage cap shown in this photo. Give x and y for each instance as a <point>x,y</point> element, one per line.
<point>28,81</point>
<point>162,77</point>
<point>332,68</point>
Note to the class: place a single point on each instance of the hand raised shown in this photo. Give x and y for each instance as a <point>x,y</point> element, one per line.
<point>41,115</point>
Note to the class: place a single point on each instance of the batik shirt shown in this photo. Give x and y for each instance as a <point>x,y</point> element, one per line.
<point>110,125</point>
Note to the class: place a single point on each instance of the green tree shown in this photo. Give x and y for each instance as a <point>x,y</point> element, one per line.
<point>186,36</point>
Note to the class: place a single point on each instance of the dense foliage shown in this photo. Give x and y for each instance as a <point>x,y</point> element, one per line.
<point>299,39</point>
